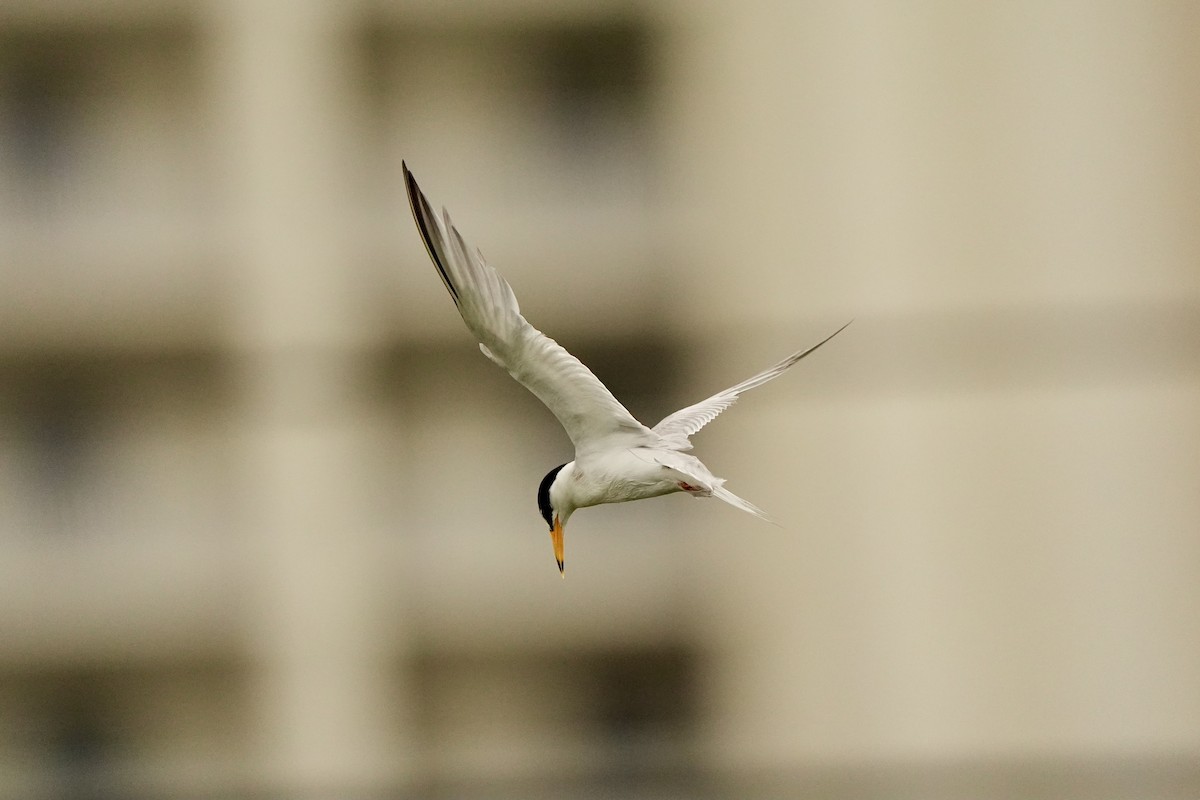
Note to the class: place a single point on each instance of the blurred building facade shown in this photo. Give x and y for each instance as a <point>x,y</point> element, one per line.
<point>267,519</point>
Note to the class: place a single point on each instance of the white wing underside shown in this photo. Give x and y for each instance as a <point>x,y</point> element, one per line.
<point>677,429</point>
<point>593,419</point>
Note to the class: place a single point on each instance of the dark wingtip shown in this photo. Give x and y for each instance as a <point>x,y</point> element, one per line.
<point>813,349</point>
<point>561,568</point>
<point>420,210</point>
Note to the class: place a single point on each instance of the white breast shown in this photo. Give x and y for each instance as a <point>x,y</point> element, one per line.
<point>619,476</point>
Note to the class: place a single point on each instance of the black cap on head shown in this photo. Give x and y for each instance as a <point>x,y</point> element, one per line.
<point>544,496</point>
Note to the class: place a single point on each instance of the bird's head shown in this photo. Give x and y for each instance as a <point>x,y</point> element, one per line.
<point>555,510</point>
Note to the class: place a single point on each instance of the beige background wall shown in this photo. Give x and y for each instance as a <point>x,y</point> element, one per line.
<point>267,519</point>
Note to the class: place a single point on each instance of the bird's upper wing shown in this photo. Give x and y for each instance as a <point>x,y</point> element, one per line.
<point>586,408</point>
<point>677,428</point>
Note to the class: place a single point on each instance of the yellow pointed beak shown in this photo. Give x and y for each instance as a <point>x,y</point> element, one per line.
<point>556,536</point>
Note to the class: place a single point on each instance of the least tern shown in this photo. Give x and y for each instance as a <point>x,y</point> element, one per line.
<point>617,458</point>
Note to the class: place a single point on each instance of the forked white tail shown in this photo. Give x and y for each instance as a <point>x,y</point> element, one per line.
<point>721,493</point>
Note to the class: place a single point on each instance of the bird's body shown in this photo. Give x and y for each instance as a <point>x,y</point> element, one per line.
<point>617,458</point>
<point>634,473</point>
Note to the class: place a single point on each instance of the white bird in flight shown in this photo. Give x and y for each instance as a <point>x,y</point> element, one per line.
<point>617,458</point>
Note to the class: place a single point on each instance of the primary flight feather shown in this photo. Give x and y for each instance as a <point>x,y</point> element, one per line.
<point>617,458</point>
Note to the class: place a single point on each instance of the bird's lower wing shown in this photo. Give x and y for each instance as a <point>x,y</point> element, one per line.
<point>588,411</point>
<point>678,427</point>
